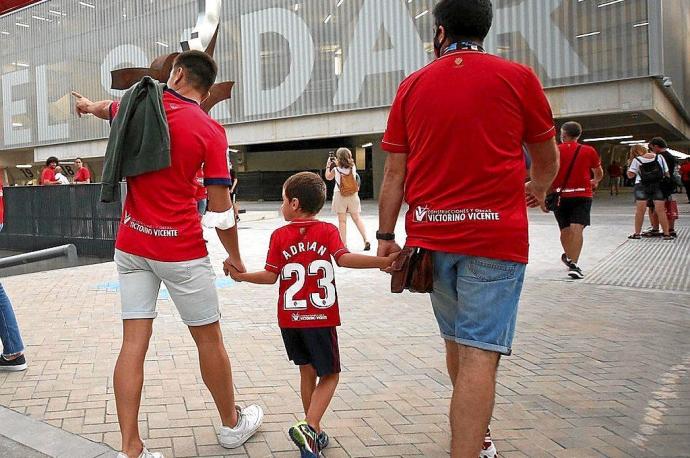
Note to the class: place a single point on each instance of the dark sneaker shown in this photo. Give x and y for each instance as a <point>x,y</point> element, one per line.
<point>575,273</point>
<point>488,448</point>
<point>14,365</point>
<point>634,236</point>
<point>673,234</point>
<point>367,246</point>
<point>652,233</point>
<point>322,439</point>
<point>669,238</point>
<point>567,261</point>
<point>305,438</point>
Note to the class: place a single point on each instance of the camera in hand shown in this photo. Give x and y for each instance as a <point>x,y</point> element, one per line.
<point>331,160</point>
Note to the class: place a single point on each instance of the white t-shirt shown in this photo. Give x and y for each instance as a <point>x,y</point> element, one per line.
<point>61,178</point>
<point>635,165</point>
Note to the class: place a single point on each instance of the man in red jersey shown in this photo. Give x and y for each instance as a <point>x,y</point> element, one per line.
<point>455,134</point>
<point>48,173</point>
<point>575,206</point>
<point>160,239</point>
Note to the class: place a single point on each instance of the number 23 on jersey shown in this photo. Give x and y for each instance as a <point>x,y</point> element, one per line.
<point>320,274</point>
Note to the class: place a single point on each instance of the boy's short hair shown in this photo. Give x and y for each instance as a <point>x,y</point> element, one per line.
<point>659,141</point>
<point>309,189</point>
<point>52,159</point>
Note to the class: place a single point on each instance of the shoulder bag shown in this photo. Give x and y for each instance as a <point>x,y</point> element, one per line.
<point>553,199</point>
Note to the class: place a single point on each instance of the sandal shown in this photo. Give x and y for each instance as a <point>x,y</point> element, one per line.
<point>669,237</point>
<point>634,236</point>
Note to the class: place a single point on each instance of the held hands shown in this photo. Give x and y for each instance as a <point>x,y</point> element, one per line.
<point>82,104</point>
<point>233,267</point>
<point>390,250</point>
<point>535,196</point>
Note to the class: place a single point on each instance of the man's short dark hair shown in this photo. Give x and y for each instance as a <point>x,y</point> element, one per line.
<point>52,159</point>
<point>200,69</point>
<point>309,189</point>
<point>464,18</point>
<point>658,141</point>
<point>572,129</point>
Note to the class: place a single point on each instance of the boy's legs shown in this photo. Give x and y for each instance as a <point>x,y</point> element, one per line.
<point>316,396</point>
<point>321,399</point>
<point>308,379</point>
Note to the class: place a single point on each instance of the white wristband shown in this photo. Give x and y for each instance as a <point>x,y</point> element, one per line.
<point>222,221</point>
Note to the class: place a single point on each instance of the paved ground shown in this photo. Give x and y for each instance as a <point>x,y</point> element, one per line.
<point>596,370</point>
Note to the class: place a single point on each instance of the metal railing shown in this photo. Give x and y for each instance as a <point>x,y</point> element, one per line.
<point>40,217</point>
<point>67,251</point>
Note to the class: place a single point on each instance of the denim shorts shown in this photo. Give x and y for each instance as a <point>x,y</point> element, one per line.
<point>475,300</point>
<point>191,284</point>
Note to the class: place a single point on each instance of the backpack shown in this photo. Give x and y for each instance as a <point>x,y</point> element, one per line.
<point>348,184</point>
<point>650,172</point>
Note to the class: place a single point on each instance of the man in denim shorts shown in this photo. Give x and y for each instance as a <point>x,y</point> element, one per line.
<point>160,239</point>
<point>449,127</point>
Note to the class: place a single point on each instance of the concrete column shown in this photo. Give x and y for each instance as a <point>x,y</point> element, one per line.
<point>378,159</point>
<point>360,158</point>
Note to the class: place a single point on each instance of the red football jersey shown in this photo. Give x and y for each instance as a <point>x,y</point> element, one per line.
<point>160,220</point>
<point>580,180</point>
<point>82,175</point>
<point>47,175</point>
<point>300,253</point>
<point>462,121</point>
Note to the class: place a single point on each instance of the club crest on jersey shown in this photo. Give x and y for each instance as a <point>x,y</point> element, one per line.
<point>420,213</point>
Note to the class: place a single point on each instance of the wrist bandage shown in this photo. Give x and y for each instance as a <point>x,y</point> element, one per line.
<point>222,221</point>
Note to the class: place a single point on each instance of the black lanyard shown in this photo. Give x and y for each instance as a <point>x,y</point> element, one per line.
<point>464,46</point>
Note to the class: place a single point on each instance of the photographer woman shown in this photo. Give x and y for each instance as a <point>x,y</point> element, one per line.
<point>345,195</point>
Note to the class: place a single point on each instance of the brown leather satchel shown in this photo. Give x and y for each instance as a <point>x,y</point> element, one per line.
<point>413,270</point>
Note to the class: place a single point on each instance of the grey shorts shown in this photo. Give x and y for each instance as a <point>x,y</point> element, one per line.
<point>191,284</point>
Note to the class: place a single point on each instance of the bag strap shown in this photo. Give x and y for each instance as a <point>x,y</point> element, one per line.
<point>570,169</point>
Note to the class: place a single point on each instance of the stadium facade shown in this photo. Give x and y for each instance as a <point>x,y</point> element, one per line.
<point>313,75</point>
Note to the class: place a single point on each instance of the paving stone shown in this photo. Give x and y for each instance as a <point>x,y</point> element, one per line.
<point>596,371</point>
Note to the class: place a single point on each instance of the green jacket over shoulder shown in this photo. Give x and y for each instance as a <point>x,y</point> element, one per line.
<point>139,140</point>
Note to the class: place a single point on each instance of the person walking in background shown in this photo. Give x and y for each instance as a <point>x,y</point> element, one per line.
<point>451,143</point>
<point>83,175</point>
<point>175,253</point>
<point>615,172</point>
<point>668,185</point>
<point>342,169</point>
<point>685,177</point>
<point>649,170</point>
<point>233,190</point>
<point>59,176</point>
<point>48,173</point>
<point>575,183</point>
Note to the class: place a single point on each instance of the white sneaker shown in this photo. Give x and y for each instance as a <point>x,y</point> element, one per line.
<point>144,454</point>
<point>248,421</point>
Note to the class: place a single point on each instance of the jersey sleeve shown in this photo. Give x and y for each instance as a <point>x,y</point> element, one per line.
<point>395,138</point>
<point>113,109</point>
<point>594,158</point>
<point>215,159</point>
<point>274,258</point>
<point>335,244</point>
<point>539,126</point>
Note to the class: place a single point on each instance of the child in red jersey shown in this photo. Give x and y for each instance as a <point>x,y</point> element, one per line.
<point>299,254</point>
